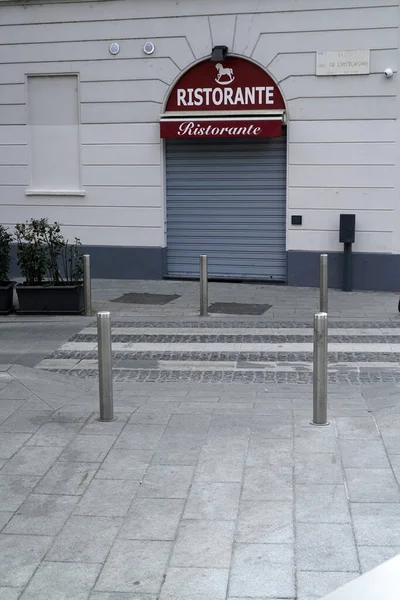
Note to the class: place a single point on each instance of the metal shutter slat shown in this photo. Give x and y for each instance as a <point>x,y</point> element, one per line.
<point>227,199</point>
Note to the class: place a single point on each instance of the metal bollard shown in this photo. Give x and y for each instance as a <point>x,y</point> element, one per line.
<point>323,283</point>
<point>320,375</point>
<point>105,366</point>
<point>203,285</point>
<point>87,286</point>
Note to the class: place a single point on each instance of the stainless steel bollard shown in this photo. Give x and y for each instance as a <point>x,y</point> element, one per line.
<point>323,283</point>
<point>320,375</point>
<point>105,366</point>
<point>203,285</point>
<point>87,286</point>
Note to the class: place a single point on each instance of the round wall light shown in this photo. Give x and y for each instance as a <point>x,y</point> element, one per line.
<point>149,48</point>
<point>114,48</point>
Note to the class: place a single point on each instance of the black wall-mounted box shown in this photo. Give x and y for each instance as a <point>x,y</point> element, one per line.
<point>347,229</point>
<point>297,220</point>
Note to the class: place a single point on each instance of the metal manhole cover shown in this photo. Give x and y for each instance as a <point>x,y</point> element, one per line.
<point>234,308</point>
<point>145,298</point>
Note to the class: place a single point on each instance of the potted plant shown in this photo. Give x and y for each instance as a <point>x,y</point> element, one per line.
<point>52,269</point>
<point>6,286</point>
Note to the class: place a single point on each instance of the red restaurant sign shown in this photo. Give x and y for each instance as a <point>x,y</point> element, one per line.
<point>218,128</point>
<point>234,85</point>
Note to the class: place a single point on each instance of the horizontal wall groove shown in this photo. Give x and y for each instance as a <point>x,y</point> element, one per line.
<point>203,16</point>
<point>83,206</point>
<point>322,77</point>
<point>86,123</point>
<point>370,143</point>
<point>117,145</point>
<point>311,52</point>
<point>120,164</point>
<point>121,102</point>
<point>120,186</point>
<point>289,31</point>
<point>90,60</point>
<point>394,95</point>
<point>345,165</point>
<point>327,209</point>
<point>89,41</point>
<point>333,119</point>
<point>96,144</point>
<point>139,80</point>
<point>334,229</point>
<point>341,187</point>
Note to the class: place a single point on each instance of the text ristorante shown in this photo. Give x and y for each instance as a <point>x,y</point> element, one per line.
<point>258,95</point>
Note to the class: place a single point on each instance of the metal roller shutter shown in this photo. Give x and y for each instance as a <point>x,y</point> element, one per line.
<point>227,199</point>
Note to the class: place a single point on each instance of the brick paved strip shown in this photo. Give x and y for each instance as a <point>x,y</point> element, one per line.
<point>351,377</point>
<point>333,357</point>
<point>234,339</point>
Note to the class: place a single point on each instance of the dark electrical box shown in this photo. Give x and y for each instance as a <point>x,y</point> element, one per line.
<point>297,219</point>
<point>347,229</point>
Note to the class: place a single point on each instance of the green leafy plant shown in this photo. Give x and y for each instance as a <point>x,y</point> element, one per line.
<point>73,261</point>
<point>44,256</point>
<point>5,241</point>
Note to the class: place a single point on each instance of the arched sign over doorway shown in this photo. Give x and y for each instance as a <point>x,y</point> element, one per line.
<point>235,98</point>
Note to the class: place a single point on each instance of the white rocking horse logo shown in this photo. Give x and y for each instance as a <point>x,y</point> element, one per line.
<point>224,73</point>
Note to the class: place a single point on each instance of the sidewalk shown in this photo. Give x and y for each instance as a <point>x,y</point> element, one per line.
<point>287,303</point>
<point>194,492</point>
<point>197,491</point>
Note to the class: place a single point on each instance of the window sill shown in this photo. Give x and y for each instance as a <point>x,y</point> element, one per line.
<point>29,192</point>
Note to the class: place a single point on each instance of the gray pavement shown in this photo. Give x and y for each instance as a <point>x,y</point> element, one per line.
<point>198,490</point>
<point>194,491</point>
<point>28,340</point>
<point>287,303</point>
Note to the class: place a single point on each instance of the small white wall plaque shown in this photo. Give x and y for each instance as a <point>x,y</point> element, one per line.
<point>343,62</point>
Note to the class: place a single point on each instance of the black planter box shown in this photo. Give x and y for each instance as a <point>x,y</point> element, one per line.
<point>6,297</point>
<point>50,299</point>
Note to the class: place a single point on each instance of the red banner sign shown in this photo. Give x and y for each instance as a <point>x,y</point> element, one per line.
<point>232,85</point>
<point>234,128</point>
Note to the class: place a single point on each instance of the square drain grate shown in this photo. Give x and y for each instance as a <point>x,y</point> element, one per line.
<point>145,298</point>
<point>234,308</point>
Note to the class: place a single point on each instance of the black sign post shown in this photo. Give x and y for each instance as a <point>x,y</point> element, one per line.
<point>347,230</point>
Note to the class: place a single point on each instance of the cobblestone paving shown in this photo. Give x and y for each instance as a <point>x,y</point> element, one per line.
<point>334,357</point>
<point>298,377</point>
<point>230,352</point>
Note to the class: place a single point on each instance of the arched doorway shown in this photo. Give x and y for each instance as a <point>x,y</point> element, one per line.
<point>226,172</point>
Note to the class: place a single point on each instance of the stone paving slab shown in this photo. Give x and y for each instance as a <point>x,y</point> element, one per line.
<point>223,501</point>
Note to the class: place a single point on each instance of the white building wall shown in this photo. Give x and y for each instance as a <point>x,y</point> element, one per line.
<point>342,133</point>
